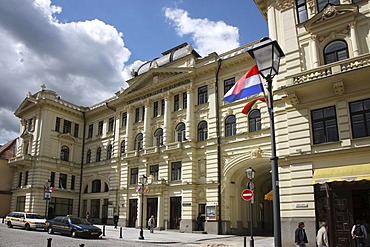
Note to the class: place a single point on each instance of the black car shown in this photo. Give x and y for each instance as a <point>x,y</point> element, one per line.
<point>73,226</point>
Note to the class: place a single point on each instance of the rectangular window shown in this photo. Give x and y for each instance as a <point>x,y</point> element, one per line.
<point>77,127</point>
<point>137,115</point>
<point>52,179</point>
<point>73,181</point>
<point>163,105</point>
<point>67,126</point>
<point>155,109</point>
<point>57,124</point>
<point>176,102</point>
<point>26,178</point>
<point>20,179</point>
<point>176,171</point>
<point>62,181</point>
<point>184,100</point>
<point>100,128</point>
<point>110,124</point>
<point>30,124</point>
<point>154,171</point>
<point>202,95</point>
<point>301,10</point>
<point>228,84</point>
<point>96,186</point>
<point>90,131</point>
<point>143,113</point>
<point>124,119</point>
<point>21,203</point>
<point>134,175</point>
<point>360,118</point>
<point>95,208</point>
<point>324,125</point>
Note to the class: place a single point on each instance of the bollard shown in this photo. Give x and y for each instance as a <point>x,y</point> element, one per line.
<point>103,230</point>
<point>120,232</point>
<point>82,245</point>
<point>3,220</point>
<point>245,241</point>
<point>49,242</point>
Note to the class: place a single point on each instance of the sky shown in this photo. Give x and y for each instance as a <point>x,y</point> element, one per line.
<point>85,49</point>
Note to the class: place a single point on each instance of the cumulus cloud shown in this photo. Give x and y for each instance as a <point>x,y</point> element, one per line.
<point>74,59</point>
<point>208,36</point>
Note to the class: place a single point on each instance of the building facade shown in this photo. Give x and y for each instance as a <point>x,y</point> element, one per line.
<point>322,110</point>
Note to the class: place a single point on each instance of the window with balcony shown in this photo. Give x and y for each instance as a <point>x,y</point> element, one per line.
<point>139,142</point>
<point>230,126</point>
<point>202,95</point>
<point>134,175</point>
<point>180,132</point>
<point>301,6</point>
<point>88,157</point>
<point>202,131</point>
<point>154,172</point>
<point>324,125</point>
<point>64,153</point>
<point>336,50</point>
<point>360,118</point>
<point>254,120</point>
<point>98,154</point>
<point>158,137</point>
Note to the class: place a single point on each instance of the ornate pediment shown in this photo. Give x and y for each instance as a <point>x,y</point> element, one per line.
<point>26,135</point>
<point>67,137</point>
<point>331,16</point>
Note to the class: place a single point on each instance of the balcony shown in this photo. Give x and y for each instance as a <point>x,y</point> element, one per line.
<point>25,160</point>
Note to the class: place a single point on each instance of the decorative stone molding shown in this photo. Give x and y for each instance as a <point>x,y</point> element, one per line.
<point>293,98</point>
<point>285,4</point>
<point>256,153</point>
<point>338,87</point>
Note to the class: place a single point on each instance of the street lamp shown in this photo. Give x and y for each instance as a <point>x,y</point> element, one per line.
<point>47,195</point>
<point>267,56</point>
<point>143,179</point>
<point>250,174</point>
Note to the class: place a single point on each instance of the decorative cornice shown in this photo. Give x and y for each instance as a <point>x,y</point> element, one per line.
<point>338,88</point>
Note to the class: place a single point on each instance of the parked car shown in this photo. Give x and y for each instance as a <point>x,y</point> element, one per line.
<point>25,220</point>
<point>73,226</point>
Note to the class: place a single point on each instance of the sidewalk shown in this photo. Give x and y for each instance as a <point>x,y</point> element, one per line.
<point>176,238</point>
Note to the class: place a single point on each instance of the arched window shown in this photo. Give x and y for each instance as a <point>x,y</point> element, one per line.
<point>64,153</point>
<point>96,186</point>
<point>335,51</point>
<point>230,126</point>
<point>202,131</point>
<point>123,146</point>
<point>109,151</point>
<point>254,120</point>
<point>98,154</point>
<point>180,132</point>
<point>158,135</point>
<point>88,157</point>
<point>139,142</point>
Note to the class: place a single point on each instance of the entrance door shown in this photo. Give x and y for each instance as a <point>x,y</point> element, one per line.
<point>175,212</point>
<point>105,212</point>
<point>132,215</point>
<point>152,207</point>
<point>342,208</point>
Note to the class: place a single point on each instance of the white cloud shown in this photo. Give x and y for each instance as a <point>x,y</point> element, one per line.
<point>208,36</point>
<point>76,58</point>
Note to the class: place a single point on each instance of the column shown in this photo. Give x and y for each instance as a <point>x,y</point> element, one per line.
<point>190,114</point>
<point>315,59</point>
<point>352,26</point>
<point>167,120</point>
<point>130,142</point>
<point>147,122</point>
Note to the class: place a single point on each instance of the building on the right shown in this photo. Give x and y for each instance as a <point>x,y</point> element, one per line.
<point>322,114</point>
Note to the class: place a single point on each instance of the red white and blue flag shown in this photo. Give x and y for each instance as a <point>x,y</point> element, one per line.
<point>248,85</point>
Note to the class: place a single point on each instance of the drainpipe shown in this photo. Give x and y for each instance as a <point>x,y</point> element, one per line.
<point>219,61</point>
<point>82,163</point>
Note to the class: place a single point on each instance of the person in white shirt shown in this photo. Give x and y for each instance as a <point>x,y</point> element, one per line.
<point>322,236</point>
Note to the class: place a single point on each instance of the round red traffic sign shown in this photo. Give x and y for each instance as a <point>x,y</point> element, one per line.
<point>247,195</point>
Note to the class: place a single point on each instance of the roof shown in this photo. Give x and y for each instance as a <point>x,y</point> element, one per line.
<point>7,150</point>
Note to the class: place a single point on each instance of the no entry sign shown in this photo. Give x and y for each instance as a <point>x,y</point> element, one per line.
<point>247,195</point>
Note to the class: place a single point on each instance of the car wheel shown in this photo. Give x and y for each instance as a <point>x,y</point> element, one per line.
<point>9,224</point>
<point>74,234</point>
<point>50,230</point>
<point>27,227</point>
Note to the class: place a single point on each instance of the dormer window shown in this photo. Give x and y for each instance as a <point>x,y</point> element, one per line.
<point>336,50</point>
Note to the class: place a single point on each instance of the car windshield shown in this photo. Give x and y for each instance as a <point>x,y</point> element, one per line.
<point>34,216</point>
<point>79,221</point>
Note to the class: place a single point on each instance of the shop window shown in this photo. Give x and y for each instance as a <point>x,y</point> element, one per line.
<point>202,131</point>
<point>324,125</point>
<point>230,126</point>
<point>360,118</point>
<point>254,120</point>
<point>336,50</point>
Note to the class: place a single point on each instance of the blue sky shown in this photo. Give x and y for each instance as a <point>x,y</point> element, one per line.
<point>88,47</point>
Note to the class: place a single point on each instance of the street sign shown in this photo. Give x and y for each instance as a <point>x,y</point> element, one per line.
<point>247,195</point>
<point>47,196</point>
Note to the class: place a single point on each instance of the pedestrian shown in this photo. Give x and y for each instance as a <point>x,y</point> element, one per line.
<point>115,220</point>
<point>200,222</point>
<point>88,216</point>
<point>151,223</point>
<point>322,236</point>
<point>359,233</point>
<point>300,235</point>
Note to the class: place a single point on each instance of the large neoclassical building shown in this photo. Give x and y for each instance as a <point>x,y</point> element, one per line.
<point>172,125</point>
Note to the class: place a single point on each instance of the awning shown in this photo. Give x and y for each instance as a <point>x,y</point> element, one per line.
<point>268,196</point>
<point>342,173</point>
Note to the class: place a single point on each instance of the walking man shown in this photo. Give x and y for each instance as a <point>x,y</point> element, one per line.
<point>151,223</point>
<point>322,236</point>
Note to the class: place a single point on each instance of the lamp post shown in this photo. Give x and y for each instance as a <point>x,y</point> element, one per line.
<point>143,180</point>
<point>250,174</point>
<point>47,196</point>
<point>267,56</point>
